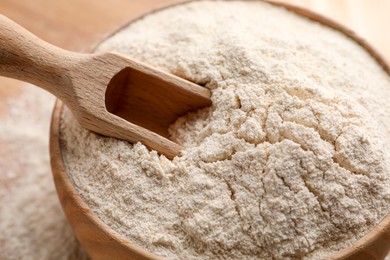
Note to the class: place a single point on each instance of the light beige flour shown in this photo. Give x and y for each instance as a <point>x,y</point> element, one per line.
<point>291,161</point>
<point>32,224</point>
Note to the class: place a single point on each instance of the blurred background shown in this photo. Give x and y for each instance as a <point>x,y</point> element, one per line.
<point>77,25</point>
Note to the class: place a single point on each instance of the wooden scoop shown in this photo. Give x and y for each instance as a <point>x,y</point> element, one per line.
<point>108,93</point>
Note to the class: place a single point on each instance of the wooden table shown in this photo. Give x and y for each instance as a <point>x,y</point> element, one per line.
<point>78,24</point>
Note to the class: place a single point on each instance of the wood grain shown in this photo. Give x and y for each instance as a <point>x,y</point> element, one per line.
<point>374,245</point>
<point>142,102</point>
<point>74,24</point>
<point>99,240</point>
<point>78,24</point>
<point>152,99</point>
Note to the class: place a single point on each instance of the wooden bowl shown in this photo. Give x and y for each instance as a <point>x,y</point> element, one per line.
<point>102,242</point>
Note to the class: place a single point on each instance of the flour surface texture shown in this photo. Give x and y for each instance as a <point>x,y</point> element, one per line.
<point>32,224</point>
<point>291,161</point>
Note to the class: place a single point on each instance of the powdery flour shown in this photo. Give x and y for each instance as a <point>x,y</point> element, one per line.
<point>291,161</point>
<point>32,224</point>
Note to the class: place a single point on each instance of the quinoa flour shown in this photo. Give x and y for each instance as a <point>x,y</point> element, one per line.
<point>290,161</point>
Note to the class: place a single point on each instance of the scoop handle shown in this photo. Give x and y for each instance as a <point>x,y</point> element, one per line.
<point>26,57</point>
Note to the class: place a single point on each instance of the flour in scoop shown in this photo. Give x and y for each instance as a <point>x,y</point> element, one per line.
<point>291,160</point>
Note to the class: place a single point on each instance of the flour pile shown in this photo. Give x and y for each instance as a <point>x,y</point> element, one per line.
<point>291,161</point>
<point>32,224</point>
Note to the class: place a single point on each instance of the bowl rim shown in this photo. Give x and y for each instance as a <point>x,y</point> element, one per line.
<point>375,243</point>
